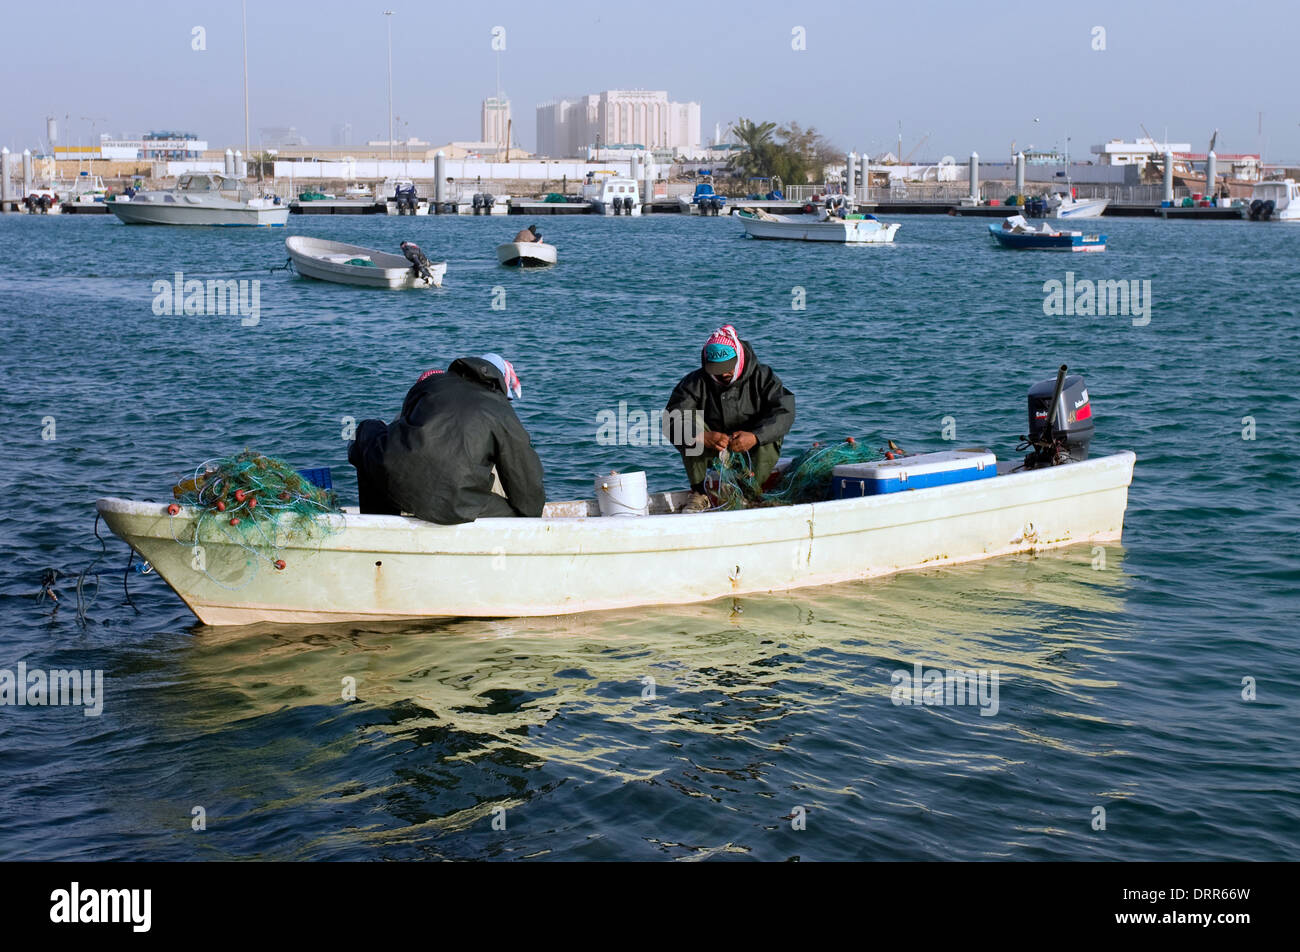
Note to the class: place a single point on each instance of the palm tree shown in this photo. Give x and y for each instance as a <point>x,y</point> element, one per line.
<point>758,153</point>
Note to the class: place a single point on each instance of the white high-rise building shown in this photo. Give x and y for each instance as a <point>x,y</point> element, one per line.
<point>624,117</point>
<point>496,121</point>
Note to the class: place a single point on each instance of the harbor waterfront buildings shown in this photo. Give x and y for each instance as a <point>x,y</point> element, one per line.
<point>645,118</point>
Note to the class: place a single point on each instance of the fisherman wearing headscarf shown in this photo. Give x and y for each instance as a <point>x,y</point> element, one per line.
<point>457,452</point>
<point>744,409</point>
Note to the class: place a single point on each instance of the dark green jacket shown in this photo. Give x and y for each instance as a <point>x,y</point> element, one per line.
<point>757,401</point>
<point>437,456</point>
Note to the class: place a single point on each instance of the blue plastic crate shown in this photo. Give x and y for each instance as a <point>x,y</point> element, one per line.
<point>319,477</point>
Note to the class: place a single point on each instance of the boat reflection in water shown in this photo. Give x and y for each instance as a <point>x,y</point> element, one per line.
<point>453,720</point>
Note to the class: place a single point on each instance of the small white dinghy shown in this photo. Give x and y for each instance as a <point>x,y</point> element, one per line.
<point>854,230</point>
<point>364,267</point>
<point>526,254</point>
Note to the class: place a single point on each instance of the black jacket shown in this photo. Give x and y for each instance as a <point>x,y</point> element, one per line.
<point>756,401</point>
<point>437,456</point>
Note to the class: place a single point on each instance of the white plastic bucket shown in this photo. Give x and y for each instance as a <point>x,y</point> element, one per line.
<point>622,494</point>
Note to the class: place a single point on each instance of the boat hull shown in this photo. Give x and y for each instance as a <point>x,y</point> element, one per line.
<point>394,567</point>
<point>1088,208</point>
<point>390,271</point>
<point>865,231</point>
<point>526,254</point>
<point>1038,242</point>
<point>157,213</point>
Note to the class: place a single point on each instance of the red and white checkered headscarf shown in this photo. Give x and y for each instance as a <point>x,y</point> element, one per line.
<point>727,337</point>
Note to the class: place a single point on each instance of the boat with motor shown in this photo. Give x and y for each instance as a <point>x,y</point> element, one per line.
<point>1066,205</point>
<point>915,512</point>
<point>817,226</point>
<point>1275,201</point>
<point>704,201</point>
<point>200,198</point>
<point>611,194</point>
<point>1016,232</point>
<point>526,254</point>
<point>364,267</point>
<point>43,201</point>
<point>403,198</point>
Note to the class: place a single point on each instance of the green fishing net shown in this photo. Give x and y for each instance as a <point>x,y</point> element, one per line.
<point>256,502</point>
<point>731,482</point>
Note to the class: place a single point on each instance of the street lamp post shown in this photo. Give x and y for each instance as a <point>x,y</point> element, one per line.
<point>388,14</point>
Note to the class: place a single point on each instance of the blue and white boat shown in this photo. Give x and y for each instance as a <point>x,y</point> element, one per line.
<point>1016,232</point>
<point>705,201</point>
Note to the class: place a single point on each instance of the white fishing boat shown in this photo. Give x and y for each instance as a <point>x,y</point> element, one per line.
<point>526,254</point>
<point>364,267</point>
<point>855,229</point>
<point>43,201</point>
<point>573,560</point>
<point>1279,201</point>
<point>1067,206</point>
<point>201,198</point>
<point>610,194</point>
<point>401,197</point>
<point>87,191</point>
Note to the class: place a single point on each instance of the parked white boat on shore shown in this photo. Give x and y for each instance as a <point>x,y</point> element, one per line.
<point>200,198</point>
<point>858,229</point>
<point>526,254</point>
<point>572,560</point>
<point>365,267</point>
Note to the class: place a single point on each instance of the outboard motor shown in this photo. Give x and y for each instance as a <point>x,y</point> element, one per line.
<point>1255,207</point>
<point>488,201</point>
<point>1060,421</point>
<point>419,263</point>
<point>1266,212</point>
<point>477,202</point>
<point>45,204</point>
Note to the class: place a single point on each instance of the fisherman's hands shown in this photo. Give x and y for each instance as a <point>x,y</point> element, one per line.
<point>742,441</point>
<point>716,441</point>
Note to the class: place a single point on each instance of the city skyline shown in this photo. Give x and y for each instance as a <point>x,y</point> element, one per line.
<point>964,84</point>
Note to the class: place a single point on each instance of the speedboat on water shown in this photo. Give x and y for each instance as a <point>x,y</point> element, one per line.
<point>1016,232</point>
<point>1067,206</point>
<point>704,201</point>
<point>1279,201</point>
<point>403,198</point>
<point>611,194</point>
<point>526,254</point>
<point>363,267</point>
<point>200,198</point>
<point>852,229</point>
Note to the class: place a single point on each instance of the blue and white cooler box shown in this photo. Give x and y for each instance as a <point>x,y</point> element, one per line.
<point>911,472</point>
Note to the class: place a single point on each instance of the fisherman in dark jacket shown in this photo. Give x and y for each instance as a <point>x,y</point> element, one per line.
<point>744,408</point>
<point>456,435</point>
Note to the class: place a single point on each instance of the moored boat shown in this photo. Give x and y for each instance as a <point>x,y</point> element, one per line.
<point>526,254</point>
<point>206,198</point>
<point>1016,232</point>
<point>611,194</point>
<point>704,201</point>
<point>364,267</point>
<point>1279,201</point>
<point>1067,206</point>
<point>853,229</point>
<point>572,560</point>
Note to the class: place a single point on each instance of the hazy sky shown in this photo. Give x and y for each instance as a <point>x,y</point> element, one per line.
<point>973,75</point>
